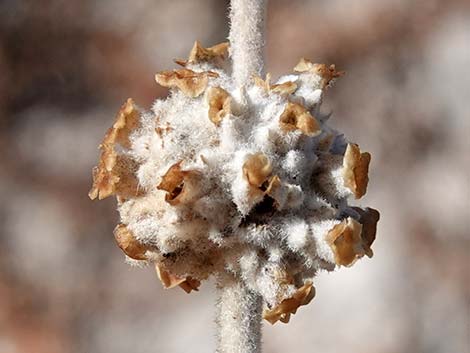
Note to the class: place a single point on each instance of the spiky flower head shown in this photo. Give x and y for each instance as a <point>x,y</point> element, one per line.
<point>249,181</point>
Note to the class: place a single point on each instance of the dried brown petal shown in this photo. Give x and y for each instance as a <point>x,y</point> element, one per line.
<point>257,169</point>
<point>346,242</point>
<point>188,81</point>
<point>289,306</point>
<point>355,170</point>
<point>285,88</point>
<point>264,84</point>
<point>182,186</point>
<point>303,65</point>
<point>129,244</point>
<point>219,104</point>
<point>128,185</point>
<point>368,218</point>
<point>127,120</point>
<point>170,280</point>
<point>296,117</point>
<point>104,179</point>
<point>115,174</point>
<point>327,73</point>
<point>199,54</point>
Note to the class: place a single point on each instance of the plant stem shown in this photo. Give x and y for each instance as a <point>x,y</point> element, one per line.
<point>238,308</point>
<point>238,317</point>
<point>247,22</point>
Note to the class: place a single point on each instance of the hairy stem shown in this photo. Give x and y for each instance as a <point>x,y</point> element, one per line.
<point>238,318</point>
<point>247,38</point>
<point>239,309</point>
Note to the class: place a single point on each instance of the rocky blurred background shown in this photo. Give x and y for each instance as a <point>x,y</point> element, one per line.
<point>65,69</point>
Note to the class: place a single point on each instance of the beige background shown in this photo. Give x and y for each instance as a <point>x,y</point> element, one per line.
<point>66,67</point>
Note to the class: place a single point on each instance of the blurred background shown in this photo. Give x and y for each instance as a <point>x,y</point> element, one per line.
<point>67,66</point>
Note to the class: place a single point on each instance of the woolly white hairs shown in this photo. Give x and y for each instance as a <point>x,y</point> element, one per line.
<point>244,182</point>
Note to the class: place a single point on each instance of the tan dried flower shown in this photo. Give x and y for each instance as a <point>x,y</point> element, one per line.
<point>219,104</point>
<point>356,170</point>
<point>297,117</point>
<point>368,218</point>
<point>327,73</point>
<point>289,306</point>
<point>170,280</point>
<point>129,244</point>
<point>127,120</point>
<point>182,186</point>
<point>284,88</point>
<point>199,54</point>
<point>346,242</point>
<point>191,83</point>
<point>256,169</point>
<point>115,174</point>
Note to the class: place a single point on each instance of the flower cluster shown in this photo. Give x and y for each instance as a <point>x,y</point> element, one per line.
<point>250,181</point>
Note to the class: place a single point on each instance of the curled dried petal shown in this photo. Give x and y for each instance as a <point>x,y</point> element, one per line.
<point>219,101</point>
<point>296,117</point>
<point>116,173</point>
<point>188,81</point>
<point>355,170</point>
<point>182,186</point>
<point>327,73</point>
<point>199,54</point>
<point>264,84</point>
<point>129,244</point>
<point>257,169</point>
<point>127,120</point>
<point>104,180</point>
<point>303,65</point>
<point>346,242</point>
<point>170,280</point>
<point>368,218</point>
<point>289,306</point>
<point>285,88</point>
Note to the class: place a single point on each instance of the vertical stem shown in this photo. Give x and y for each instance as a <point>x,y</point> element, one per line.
<point>239,309</point>
<point>247,22</point>
<point>238,317</point>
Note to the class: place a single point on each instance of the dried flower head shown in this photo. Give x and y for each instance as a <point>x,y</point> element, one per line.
<point>249,181</point>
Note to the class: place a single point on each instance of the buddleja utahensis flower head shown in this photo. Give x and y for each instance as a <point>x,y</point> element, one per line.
<point>250,181</point>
